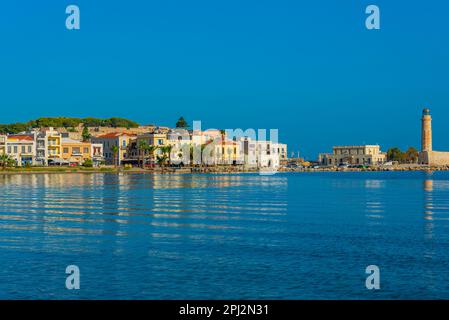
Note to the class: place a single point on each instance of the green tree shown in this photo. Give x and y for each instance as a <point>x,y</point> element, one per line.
<point>88,163</point>
<point>395,154</point>
<point>6,161</point>
<point>222,132</point>
<point>151,150</point>
<point>167,151</point>
<point>142,146</point>
<point>411,155</point>
<point>86,135</point>
<point>182,123</point>
<point>161,159</point>
<point>115,150</point>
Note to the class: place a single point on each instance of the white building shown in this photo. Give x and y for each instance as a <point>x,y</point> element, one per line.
<point>48,145</point>
<point>22,148</point>
<point>262,154</point>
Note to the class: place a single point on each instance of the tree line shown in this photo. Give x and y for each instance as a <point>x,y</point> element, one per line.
<point>409,156</point>
<point>66,122</point>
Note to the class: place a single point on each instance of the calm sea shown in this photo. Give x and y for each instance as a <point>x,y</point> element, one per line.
<point>243,236</point>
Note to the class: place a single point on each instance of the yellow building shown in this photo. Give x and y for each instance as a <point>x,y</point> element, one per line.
<point>221,153</point>
<point>155,139</point>
<point>356,155</point>
<point>48,146</point>
<point>75,152</point>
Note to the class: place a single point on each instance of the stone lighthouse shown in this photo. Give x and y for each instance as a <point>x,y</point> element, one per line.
<point>426,131</point>
<point>427,155</point>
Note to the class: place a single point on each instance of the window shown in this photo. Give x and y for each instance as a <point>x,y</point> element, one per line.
<point>23,149</point>
<point>76,150</point>
<point>86,150</point>
<point>29,149</point>
<point>124,143</point>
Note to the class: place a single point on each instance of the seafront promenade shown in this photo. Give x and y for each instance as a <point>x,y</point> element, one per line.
<point>216,170</point>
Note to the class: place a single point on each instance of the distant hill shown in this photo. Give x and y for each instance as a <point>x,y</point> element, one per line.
<point>63,122</point>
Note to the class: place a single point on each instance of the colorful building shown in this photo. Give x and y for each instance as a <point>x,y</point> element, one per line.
<point>21,148</point>
<point>222,153</point>
<point>119,139</point>
<point>48,146</point>
<point>75,152</point>
<point>156,139</point>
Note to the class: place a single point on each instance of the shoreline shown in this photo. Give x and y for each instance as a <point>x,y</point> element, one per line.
<point>214,170</point>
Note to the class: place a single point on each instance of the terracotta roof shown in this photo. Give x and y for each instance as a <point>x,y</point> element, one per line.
<point>219,143</point>
<point>20,137</point>
<point>115,135</point>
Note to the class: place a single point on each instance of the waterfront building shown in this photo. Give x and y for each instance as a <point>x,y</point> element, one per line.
<point>75,152</point>
<point>97,154</point>
<point>156,138</point>
<point>119,139</point>
<point>262,154</point>
<point>22,148</point>
<point>184,141</point>
<point>217,152</point>
<point>356,155</point>
<point>3,144</point>
<point>427,155</point>
<point>267,154</point>
<point>48,146</point>
<point>282,152</point>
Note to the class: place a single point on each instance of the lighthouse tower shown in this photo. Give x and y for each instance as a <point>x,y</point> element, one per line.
<point>427,155</point>
<point>426,131</point>
<point>426,138</point>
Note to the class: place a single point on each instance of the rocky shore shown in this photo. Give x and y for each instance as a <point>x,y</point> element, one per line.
<point>215,170</point>
<point>408,167</point>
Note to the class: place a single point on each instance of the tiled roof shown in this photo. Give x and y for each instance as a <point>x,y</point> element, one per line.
<point>115,135</point>
<point>21,137</point>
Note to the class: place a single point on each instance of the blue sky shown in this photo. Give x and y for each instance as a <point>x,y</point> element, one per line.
<point>308,68</point>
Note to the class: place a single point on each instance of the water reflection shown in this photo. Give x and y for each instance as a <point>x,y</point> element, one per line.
<point>375,201</point>
<point>81,210</point>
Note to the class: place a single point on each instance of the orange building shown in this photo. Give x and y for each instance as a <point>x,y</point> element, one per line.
<point>75,152</point>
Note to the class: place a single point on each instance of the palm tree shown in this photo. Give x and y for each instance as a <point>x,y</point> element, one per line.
<point>202,147</point>
<point>191,158</point>
<point>142,146</point>
<point>151,150</point>
<point>115,150</point>
<point>167,151</point>
<point>222,145</point>
<point>6,160</point>
<point>161,160</point>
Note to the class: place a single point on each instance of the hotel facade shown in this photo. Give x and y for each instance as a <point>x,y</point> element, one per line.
<point>354,155</point>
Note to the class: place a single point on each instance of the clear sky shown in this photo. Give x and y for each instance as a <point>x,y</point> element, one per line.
<point>309,68</point>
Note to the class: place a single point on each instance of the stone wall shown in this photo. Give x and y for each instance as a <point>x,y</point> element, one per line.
<point>434,158</point>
